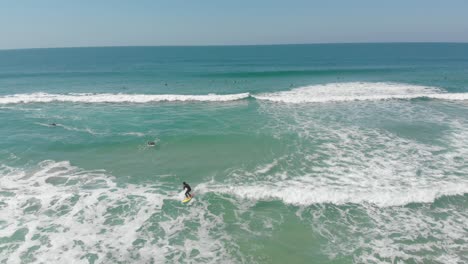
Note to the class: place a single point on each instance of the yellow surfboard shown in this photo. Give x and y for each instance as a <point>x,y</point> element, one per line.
<point>187,199</point>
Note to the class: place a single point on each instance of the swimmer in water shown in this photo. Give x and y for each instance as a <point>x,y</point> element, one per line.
<point>151,143</point>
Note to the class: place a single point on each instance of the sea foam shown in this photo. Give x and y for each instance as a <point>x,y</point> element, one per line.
<point>58,213</point>
<point>358,91</point>
<point>338,158</point>
<point>304,194</point>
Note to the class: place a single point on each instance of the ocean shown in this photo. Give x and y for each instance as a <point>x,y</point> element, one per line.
<point>326,153</point>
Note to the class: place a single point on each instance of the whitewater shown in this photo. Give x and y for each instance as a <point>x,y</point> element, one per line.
<point>333,92</point>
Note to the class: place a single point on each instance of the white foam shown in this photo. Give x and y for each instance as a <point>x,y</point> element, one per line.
<point>85,130</point>
<point>358,91</point>
<point>136,134</point>
<point>116,98</point>
<point>304,194</point>
<point>267,167</point>
<point>393,234</point>
<point>331,92</point>
<point>352,170</point>
<point>66,214</point>
<point>338,158</point>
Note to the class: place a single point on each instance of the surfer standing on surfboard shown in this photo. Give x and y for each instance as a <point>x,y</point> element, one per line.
<point>187,190</point>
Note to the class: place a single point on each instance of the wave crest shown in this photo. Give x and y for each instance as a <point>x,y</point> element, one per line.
<point>331,92</point>
<point>117,98</point>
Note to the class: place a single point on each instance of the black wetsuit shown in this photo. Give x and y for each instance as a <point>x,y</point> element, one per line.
<point>188,190</point>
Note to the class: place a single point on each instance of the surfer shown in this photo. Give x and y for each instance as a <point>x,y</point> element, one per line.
<point>53,124</point>
<point>187,190</point>
<point>151,143</point>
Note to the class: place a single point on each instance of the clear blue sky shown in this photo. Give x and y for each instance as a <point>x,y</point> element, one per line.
<point>72,23</point>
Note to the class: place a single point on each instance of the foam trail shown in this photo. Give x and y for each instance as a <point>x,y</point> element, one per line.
<point>116,98</point>
<point>358,91</point>
<point>85,130</point>
<point>136,134</point>
<point>297,193</point>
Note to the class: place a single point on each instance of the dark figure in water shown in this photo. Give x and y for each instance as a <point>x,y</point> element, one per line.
<point>151,143</point>
<point>187,190</point>
<point>53,124</point>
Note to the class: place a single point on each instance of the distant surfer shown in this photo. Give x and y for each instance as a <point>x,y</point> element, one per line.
<point>187,190</point>
<point>53,124</point>
<point>151,143</point>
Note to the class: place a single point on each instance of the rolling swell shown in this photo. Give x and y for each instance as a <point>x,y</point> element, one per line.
<point>292,73</point>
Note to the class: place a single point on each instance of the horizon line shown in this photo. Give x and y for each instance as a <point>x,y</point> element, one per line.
<point>239,45</point>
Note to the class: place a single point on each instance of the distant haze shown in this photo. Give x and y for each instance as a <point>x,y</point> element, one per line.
<point>59,23</point>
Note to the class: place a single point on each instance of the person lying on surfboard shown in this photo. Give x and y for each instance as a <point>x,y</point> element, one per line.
<point>187,190</point>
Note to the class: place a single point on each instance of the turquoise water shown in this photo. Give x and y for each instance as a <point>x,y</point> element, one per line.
<point>346,153</point>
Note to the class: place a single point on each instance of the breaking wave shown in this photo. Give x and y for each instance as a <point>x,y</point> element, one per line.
<point>116,98</point>
<point>299,193</point>
<point>331,92</point>
<point>359,91</point>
